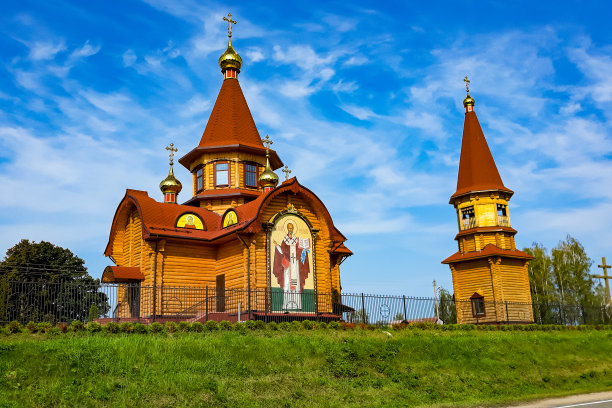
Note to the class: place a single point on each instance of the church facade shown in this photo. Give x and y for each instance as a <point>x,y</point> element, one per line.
<point>490,276</point>
<point>243,241</point>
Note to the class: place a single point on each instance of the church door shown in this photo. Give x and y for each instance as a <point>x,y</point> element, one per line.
<point>220,292</point>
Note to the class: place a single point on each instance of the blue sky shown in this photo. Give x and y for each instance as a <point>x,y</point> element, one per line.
<point>362,99</point>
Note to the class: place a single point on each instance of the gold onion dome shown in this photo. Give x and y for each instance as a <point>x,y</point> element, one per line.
<point>268,178</point>
<point>468,101</point>
<point>170,184</point>
<point>230,58</point>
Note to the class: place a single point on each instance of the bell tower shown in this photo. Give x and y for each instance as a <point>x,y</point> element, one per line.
<point>490,278</point>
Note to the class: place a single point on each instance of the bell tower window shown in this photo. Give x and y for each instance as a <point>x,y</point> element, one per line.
<point>250,175</point>
<point>502,215</point>
<point>199,176</point>
<point>468,219</point>
<point>221,174</point>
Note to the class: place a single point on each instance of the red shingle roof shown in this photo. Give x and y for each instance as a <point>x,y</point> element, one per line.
<point>121,274</point>
<point>488,251</point>
<point>477,169</point>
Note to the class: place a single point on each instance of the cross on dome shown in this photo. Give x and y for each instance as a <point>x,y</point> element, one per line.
<point>467,84</point>
<point>267,141</point>
<point>229,24</point>
<point>171,149</point>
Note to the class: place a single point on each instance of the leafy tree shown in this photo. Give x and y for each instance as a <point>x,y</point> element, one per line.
<point>40,281</point>
<point>446,307</point>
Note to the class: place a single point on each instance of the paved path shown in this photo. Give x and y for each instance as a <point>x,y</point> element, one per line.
<point>595,400</point>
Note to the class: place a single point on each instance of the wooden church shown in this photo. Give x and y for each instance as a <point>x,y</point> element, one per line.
<point>242,243</point>
<point>490,277</point>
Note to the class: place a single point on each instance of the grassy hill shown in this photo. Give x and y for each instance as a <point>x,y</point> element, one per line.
<point>306,368</point>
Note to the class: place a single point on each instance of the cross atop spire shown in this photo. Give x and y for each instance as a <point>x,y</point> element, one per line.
<point>467,84</point>
<point>229,24</point>
<point>267,141</point>
<point>171,149</point>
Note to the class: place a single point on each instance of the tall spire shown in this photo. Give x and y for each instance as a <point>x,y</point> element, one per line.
<point>230,62</point>
<point>170,186</point>
<point>477,169</point>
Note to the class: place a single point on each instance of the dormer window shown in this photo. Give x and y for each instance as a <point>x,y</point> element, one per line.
<point>222,174</point>
<point>468,219</point>
<point>199,176</point>
<point>250,175</point>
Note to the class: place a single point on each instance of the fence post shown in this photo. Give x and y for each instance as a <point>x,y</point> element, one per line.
<point>206,302</point>
<point>405,315</point>
<point>363,312</point>
<point>507,315</point>
<point>266,303</point>
<point>238,312</point>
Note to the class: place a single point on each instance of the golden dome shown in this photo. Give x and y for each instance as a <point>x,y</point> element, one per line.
<point>230,58</point>
<point>268,178</point>
<point>170,184</point>
<point>468,101</point>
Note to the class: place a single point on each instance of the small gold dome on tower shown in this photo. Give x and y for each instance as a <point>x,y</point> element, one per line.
<point>170,184</point>
<point>468,101</point>
<point>268,178</point>
<point>230,59</point>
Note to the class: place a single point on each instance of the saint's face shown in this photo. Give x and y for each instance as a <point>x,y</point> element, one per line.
<point>290,230</point>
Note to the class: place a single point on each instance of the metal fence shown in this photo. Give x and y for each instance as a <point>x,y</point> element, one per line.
<point>67,301</point>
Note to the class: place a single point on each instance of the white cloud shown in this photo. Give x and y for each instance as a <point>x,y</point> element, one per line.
<point>40,51</point>
<point>86,50</point>
<point>255,54</point>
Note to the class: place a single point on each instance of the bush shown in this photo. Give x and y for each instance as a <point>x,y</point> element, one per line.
<point>111,327</point>
<point>240,327</point>
<point>14,327</point>
<point>260,325</point>
<point>44,327</point>
<point>94,327</point>
<point>126,327</point>
<point>32,327</point>
<point>225,325</point>
<point>63,327</point>
<point>322,325</point>
<point>250,324</point>
<point>156,327</point>
<point>140,328</point>
<point>93,312</point>
<point>347,326</point>
<point>77,326</point>
<point>284,326</point>
<point>272,326</point>
<point>171,327</point>
<point>211,325</point>
<point>296,325</point>
<point>308,325</point>
<point>197,327</point>
<point>334,325</point>
<point>54,330</point>
<point>184,326</point>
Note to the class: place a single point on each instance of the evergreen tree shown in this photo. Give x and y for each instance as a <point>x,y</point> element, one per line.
<point>446,308</point>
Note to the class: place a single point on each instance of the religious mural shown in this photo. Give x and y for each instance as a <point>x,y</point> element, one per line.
<point>230,218</point>
<point>292,277</point>
<point>190,221</point>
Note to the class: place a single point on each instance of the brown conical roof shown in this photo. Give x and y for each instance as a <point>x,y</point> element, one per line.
<point>477,169</point>
<point>231,121</point>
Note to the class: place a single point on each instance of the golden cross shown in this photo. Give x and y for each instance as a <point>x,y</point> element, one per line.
<point>467,84</point>
<point>172,149</point>
<point>605,276</point>
<point>229,24</point>
<point>286,171</point>
<point>268,142</point>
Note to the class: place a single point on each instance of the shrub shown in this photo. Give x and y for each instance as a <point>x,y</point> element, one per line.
<point>334,325</point>
<point>469,327</point>
<point>295,325</point>
<point>54,330</point>
<point>77,326</point>
<point>63,327</point>
<point>322,325</point>
<point>94,327</point>
<point>111,327</point>
<point>240,327</point>
<point>197,327</point>
<point>140,328</point>
<point>308,325</point>
<point>14,327</point>
<point>211,325</point>
<point>32,327</point>
<point>260,325</point>
<point>126,327</point>
<point>225,325</point>
<point>284,326</point>
<point>44,327</point>
<point>156,327</point>
<point>347,326</point>
<point>93,312</point>
<point>184,326</point>
<point>171,327</point>
<point>250,324</point>
<point>272,326</point>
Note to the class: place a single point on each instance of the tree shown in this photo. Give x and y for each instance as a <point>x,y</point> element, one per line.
<point>44,282</point>
<point>446,308</point>
<point>562,289</point>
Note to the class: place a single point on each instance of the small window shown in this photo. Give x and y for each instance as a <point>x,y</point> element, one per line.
<point>467,213</point>
<point>250,175</point>
<point>478,305</point>
<point>199,175</point>
<point>468,219</point>
<point>501,210</point>
<point>221,174</point>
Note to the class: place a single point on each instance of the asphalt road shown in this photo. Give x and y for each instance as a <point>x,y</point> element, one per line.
<point>595,400</point>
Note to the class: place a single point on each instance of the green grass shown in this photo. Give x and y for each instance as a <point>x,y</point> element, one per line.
<point>307,368</point>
